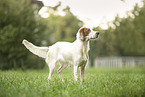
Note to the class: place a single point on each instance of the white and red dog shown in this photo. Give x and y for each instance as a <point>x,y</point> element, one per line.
<point>65,53</point>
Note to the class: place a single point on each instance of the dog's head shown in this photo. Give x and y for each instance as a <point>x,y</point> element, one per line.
<point>87,34</point>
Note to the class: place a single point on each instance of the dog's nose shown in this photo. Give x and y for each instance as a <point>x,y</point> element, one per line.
<point>97,33</point>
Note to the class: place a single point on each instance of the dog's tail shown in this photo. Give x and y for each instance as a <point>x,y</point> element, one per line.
<point>39,51</point>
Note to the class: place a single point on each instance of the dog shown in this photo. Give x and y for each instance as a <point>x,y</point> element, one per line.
<point>66,53</point>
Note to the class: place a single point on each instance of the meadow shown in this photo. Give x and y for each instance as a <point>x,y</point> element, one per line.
<point>98,82</point>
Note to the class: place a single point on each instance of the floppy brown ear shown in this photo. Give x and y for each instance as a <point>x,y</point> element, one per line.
<point>81,32</point>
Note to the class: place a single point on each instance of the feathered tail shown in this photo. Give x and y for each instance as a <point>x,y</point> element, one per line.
<point>39,51</point>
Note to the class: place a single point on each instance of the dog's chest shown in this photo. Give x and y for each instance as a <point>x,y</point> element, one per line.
<point>84,54</point>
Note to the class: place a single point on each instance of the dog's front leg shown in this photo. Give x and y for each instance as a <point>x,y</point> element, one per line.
<point>82,71</point>
<point>76,72</point>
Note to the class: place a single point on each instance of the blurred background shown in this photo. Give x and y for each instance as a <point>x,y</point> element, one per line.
<point>43,22</point>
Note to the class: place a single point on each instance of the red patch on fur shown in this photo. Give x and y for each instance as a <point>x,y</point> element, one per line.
<point>84,31</point>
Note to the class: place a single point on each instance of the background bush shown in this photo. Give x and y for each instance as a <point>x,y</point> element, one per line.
<point>18,21</point>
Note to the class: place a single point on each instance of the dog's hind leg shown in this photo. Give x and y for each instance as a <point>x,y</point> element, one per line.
<point>60,69</point>
<point>51,69</point>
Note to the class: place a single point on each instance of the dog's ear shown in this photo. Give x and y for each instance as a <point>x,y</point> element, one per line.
<point>81,32</point>
<point>84,32</point>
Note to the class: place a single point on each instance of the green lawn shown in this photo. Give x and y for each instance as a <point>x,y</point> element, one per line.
<point>100,82</point>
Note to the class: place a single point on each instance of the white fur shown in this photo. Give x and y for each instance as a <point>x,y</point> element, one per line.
<point>65,53</point>
<point>39,51</point>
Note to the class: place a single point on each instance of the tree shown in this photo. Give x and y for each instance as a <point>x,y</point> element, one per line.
<point>124,36</point>
<point>63,27</point>
<point>130,34</point>
<point>68,26</point>
<point>18,21</point>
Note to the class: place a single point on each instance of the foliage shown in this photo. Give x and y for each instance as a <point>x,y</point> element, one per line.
<point>63,28</point>
<point>128,82</point>
<point>18,21</point>
<point>132,34</point>
<point>125,36</point>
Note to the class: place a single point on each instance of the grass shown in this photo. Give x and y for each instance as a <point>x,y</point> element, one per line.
<point>100,82</point>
